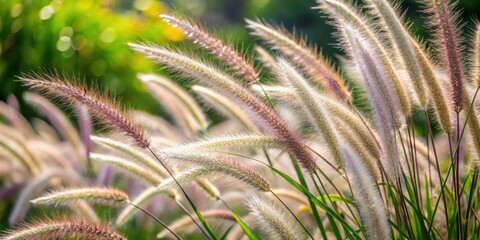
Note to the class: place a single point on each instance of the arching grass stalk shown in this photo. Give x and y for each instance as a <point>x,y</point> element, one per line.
<point>403,206</point>
<point>459,136</point>
<point>418,212</point>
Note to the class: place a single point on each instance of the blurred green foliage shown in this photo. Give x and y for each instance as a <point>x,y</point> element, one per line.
<point>85,39</point>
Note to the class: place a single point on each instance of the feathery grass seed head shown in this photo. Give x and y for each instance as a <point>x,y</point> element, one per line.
<point>367,198</point>
<point>476,57</point>
<point>444,21</point>
<point>222,165</point>
<point>273,219</point>
<point>105,110</point>
<point>399,36</point>
<point>96,195</point>
<point>63,229</point>
<point>345,15</point>
<point>313,107</point>
<point>215,46</point>
<point>129,168</point>
<point>316,66</point>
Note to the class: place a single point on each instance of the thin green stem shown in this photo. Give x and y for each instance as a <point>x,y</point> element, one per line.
<point>456,179</point>
<point>210,234</point>
<point>156,219</point>
<point>293,214</point>
<point>472,195</point>
<point>440,176</point>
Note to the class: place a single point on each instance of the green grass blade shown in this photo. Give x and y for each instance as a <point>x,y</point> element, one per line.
<point>245,228</point>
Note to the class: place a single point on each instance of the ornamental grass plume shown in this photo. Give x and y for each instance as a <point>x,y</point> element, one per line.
<point>313,108</point>
<point>106,196</point>
<point>383,146</point>
<point>343,14</point>
<point>63,228</point>
<point>317,67</point>
<point>224,52</point>
<point>443,20</point>
<point>275,222</point>
<point>104,109</point>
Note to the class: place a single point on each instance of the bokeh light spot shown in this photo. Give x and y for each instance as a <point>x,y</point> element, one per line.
<point>67,31</point>
<point>142,5</point>
<point>107,35</point>
<point>64,43</point>
<point>173,33</point>
<point>46,12</point>
<point>17,25</point>
<point>154,10</point>
<point>16,10</point>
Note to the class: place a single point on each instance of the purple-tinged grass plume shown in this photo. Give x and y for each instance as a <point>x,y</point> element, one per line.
<point>313,63</point>
<point>62,228</point>
<point>444,22</point>
<point>224,52</point>
<point>104,109</point>
<point>385,108</point>
<point>345,15</point>
<point>402,43</point>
